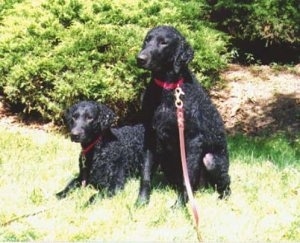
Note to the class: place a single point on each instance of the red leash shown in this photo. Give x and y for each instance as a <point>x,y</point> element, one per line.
<point>180,121</point>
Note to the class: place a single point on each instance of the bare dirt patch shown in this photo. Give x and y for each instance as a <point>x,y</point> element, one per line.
<point>10,120</point>
<point>259,99</point>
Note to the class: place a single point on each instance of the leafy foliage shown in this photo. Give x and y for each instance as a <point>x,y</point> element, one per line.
<point>275,21</point>
<point>66,50</point>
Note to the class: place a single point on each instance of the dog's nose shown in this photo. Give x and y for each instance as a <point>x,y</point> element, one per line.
<point>142,59</point>
<point>75,136</point>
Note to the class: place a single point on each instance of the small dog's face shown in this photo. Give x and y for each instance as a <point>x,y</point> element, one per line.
<point>81,125</point>
<point>87,120</point>
<point>164,48</point>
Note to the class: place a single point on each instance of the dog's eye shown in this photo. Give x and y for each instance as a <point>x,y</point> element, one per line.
<point>89,118</point>
<point>163,42</point>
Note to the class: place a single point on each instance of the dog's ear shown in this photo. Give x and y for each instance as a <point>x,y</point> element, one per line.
<point>184,54</point>
<point>106,117</point>
<point>67,115</point>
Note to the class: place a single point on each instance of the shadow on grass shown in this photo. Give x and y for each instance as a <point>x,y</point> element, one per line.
<point>276,148</point>
<point>272,136</point>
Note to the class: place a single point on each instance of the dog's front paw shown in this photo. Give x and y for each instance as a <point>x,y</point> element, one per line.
<point>144,196</point>
<point>61,195</point>
<point>141,201</point>
<point>181,201</point>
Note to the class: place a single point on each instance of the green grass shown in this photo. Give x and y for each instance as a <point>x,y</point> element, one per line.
<point>34,165</point>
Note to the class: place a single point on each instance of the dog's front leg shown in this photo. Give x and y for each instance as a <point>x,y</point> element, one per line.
<point>71,185</point>
<point>145,184</point>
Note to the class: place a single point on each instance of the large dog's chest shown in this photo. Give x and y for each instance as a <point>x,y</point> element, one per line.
<point>164,121</point>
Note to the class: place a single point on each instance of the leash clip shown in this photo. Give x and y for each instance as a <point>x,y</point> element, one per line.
<point>178,101</point>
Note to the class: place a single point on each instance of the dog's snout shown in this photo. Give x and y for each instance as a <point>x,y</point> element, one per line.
<point>75,135</point>
<point>142,59</point>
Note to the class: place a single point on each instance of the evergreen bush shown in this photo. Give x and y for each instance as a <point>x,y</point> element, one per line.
<point>56,52</point>
<point>274,21</point>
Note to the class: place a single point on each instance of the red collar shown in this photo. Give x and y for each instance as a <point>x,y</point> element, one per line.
<point>168,86</point>
<point>89,147</point>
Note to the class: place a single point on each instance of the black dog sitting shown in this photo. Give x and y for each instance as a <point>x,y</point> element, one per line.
<point>166,54</point>
<point>109,155</point>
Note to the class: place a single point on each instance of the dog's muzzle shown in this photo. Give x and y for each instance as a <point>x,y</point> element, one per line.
<point>142,60</point>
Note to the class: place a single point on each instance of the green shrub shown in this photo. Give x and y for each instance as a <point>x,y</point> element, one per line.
<point>67,50</point>
<point>7,4</point>
<point>274,21</point>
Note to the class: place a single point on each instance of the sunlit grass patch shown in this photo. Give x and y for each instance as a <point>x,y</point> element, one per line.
<point>264,205</point>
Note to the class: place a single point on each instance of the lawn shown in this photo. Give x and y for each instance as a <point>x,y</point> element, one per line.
<point>264,205</point>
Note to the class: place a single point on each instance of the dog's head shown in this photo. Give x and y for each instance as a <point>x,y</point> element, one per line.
<point>164,48</point>
<point>87,120</point>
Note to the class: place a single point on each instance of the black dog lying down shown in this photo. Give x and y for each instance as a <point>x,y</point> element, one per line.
<point>109,155</point>
<point>166,54</point>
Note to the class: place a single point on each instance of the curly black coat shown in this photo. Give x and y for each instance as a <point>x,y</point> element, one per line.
<point>166,54</point>
<point>109,155</point>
